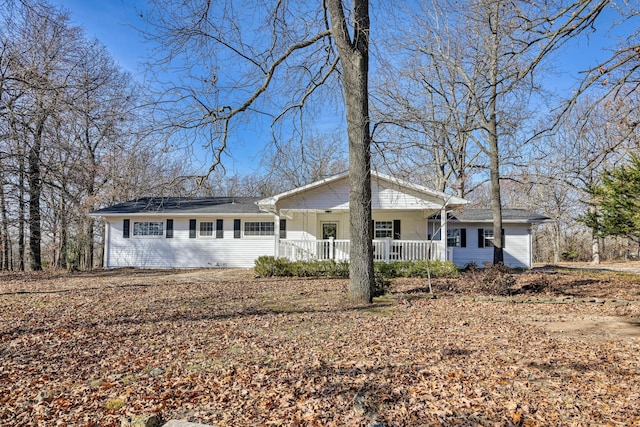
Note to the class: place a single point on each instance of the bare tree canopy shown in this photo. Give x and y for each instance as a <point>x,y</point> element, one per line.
<point>473,66</point>
<point>227,64</point>
<point>71,138</point>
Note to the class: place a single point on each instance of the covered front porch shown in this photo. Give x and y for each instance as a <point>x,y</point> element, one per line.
<point>313,223</point>
<point>385,250</point>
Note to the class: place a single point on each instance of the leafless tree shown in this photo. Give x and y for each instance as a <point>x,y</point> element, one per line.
<point>265,59</point>
<point>294,163</point>
<point>41,50</point>
<point>618,76</point>
<point>593,137</point>
<point>72,137</point>
<point>483,56</point>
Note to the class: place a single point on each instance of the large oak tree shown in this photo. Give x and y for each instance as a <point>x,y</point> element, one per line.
<point>227,64</point>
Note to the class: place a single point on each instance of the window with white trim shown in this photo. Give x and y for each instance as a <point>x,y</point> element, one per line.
<point>206,228</point>
<point>148,228</point>
<point>485,238</point>
<point>456,237</point>
<point>383,229</point>
<point>259,228</point>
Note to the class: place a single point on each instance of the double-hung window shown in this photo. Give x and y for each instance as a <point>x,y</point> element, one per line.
<point>148,228</point>
<point>486,238</point>
<point>387,230</point>
<point>206,228</point>
<point>456,237</point>
<point>259,228</point>
<point>383,229</point>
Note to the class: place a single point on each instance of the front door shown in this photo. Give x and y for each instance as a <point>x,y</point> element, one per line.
<point>329,231</point>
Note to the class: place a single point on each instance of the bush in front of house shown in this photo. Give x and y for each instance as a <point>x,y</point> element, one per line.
<point>269,266</point>
<point>423,269</point>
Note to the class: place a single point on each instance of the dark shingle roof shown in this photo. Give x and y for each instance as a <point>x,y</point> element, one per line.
<point>183,205</point>
<point>508,215</point>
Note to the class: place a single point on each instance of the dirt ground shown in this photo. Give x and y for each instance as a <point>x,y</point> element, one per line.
<point>557,345</point>
<point>587,282</point>
<point>627,266</point>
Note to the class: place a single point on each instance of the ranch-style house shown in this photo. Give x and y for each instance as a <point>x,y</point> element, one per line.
<point>411,222</point>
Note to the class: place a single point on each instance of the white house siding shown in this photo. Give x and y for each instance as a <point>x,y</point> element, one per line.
<point>335,196</point>
<point>308,225</point>
<point>413,225</point>
<point>340,218</point>
<point>517,246</point>
<point>182,251</point>
<point>516,251</point>
<point>301,225</point>
<point>384,195</point>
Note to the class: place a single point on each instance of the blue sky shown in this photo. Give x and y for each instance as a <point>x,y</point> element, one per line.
<point>113,22</point>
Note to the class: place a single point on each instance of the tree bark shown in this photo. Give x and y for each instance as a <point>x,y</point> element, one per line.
<point>492,131</point>
<point>595,249</point>
<point>35,190</point>
<point>4,262</point>
<point>21,212</point>
<point>496,200</point>
<point>354,57</point>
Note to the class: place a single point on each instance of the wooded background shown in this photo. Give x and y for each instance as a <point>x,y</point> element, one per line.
<point>461,99</point>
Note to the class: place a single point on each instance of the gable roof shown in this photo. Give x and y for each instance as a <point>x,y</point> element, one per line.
<point>182,205</point>
<point>508,215</point>
<point>269,203</point>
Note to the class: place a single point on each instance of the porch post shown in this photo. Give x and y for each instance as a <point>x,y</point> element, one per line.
<point>443,234</point>
<point>107,245</point>
<point>387,250</point>
<point>276,234</point>
<point>331,247</point>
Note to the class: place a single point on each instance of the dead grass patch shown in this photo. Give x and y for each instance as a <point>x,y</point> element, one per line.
<point>224,348</point>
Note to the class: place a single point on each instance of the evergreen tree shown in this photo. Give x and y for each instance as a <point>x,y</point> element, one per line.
<point>617,208</point>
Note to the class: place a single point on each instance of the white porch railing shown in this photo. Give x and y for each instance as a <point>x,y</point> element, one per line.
<point>338,250</point>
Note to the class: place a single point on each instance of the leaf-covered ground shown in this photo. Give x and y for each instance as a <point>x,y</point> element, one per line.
<point>222,347</point>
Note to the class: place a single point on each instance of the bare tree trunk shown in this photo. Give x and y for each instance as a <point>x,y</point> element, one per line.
<point>496,200</point>
<point>4,262</point>
<point>556,241</point>
<point>354,57</point>
<point>595,249</point>
<point>21,214</point>
<point>35,190</point>
<point>492,130</point>
<point>89,242</point>
<point>61,260</point>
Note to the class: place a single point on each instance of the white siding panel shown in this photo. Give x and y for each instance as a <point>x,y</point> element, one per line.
<point>516,252</point>
<point>517,247</point>
<point>384,195</point>
<point>334,195</point>
<point>413,225</point>
<point>183,252</point>
<point>302,227</point>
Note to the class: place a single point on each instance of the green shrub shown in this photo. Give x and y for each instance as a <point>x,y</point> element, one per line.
<point>570,254</point>
<point>268,266</point>
<point>419,268</point>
